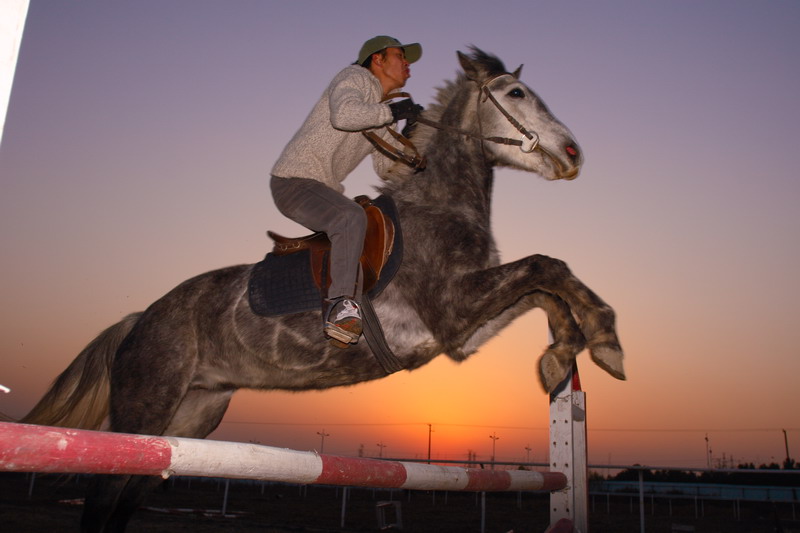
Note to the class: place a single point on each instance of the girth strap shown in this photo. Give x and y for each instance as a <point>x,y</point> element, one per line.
<point>376,340</point>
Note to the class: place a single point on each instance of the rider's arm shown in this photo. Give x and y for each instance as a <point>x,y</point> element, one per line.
<point>354,101</point>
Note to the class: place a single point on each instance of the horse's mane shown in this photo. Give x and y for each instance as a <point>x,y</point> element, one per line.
<point>488,65</point>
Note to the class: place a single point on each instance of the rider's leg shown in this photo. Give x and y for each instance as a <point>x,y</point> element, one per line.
<point>320,208</point>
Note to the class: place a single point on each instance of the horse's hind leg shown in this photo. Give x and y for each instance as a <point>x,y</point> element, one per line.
<point>150,380</point>
<point>111,500</point>
<point>102,498</point>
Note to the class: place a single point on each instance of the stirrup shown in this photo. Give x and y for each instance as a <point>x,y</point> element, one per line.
<point>346,327</point>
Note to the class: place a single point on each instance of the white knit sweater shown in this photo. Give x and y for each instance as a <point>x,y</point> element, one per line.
<point>329,145</point>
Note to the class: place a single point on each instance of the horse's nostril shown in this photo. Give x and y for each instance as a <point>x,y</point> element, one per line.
<point>572,151</point>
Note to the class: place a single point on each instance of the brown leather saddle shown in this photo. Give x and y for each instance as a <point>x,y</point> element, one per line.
<point>378,245</point>
<point>293,277</point>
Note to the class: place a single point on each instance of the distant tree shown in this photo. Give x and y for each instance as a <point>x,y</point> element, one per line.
<point>596,476</point>
<point>632,474</point>
<point>675,476</point>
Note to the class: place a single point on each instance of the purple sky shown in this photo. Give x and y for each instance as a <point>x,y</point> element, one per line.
<point>139,139</point>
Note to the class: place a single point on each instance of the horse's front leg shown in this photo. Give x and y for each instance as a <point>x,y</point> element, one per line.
<point>494,290</point>
<point>557,360</point>
<point>568,341</point>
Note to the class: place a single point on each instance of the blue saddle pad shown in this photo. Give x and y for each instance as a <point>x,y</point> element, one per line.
<point>284,284</point>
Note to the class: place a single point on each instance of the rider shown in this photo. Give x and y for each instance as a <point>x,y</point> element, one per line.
<point>307,179</point>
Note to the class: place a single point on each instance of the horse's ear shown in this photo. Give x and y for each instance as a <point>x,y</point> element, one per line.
<point>469,67</point>
<point>517,72</point>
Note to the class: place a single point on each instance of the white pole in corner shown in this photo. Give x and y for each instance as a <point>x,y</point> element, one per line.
<point>12,22</point>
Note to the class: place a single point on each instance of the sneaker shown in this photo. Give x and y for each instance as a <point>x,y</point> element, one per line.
<point>343,321</point>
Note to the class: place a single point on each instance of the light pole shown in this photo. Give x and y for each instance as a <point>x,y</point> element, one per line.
<point>494,438</point>
<point>430,430</point>
<point>323,435</point>
<point>786,443</point>
<point>708,453</point>
<point>381,446</point>
<point>528,451</point>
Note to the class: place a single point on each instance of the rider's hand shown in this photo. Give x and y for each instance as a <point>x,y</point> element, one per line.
<point>405,109</point>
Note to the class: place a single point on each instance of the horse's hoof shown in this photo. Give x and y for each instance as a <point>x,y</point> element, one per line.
<point>551,371</point>
<point>610,360</point>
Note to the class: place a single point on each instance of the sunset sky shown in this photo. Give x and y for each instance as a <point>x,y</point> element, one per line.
<point>137,150</point>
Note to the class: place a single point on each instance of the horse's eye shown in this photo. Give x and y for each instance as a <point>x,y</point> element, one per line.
<point>516,93</point>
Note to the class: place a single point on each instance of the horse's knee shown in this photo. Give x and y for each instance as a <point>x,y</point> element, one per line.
<point>550,267</point>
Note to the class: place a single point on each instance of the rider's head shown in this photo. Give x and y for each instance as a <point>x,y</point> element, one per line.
<point>389,60</point>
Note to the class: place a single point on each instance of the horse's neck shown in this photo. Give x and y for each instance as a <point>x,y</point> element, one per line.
<point>458,173</point>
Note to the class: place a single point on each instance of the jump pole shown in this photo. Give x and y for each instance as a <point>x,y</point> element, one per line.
<point>568,453</point>
<point>31,448</point>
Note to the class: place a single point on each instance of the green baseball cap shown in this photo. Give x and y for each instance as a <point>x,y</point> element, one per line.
<point>413,51</point>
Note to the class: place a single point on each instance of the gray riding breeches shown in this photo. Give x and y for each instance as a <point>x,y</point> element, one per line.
<point>320,208</point>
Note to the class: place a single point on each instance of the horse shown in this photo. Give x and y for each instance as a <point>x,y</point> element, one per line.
<point>172,369</point>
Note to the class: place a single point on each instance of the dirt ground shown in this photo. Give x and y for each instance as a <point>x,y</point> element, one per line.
<point>53,505</point>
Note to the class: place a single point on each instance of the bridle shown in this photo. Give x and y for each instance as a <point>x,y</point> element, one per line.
<point>531,136</point>
<point>413,159</point>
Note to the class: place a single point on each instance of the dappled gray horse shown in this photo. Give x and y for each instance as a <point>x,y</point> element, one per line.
<point>172,369</point>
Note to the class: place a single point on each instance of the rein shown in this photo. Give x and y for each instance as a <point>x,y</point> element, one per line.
<point>412,157</point>
<point>487,94</point>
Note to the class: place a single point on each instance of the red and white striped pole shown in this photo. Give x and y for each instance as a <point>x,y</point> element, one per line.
<point>30,448</point>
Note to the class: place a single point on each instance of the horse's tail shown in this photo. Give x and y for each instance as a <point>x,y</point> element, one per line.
<point>79,397</point>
